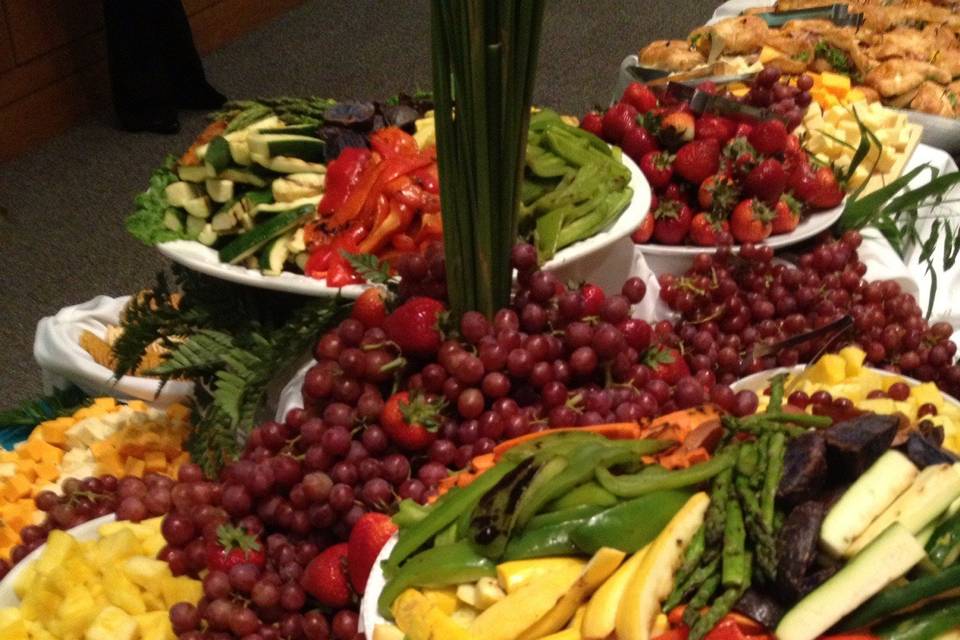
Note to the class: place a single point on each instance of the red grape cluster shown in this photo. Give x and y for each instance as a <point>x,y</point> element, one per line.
<point>82,500</point>
<point>292,494</point>
<point>422,274</point>
<point>770,90</point>
<point>729,303</point>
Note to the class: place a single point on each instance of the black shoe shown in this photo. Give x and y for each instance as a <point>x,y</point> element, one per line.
<point>162,121</point>
<point>201,97</point>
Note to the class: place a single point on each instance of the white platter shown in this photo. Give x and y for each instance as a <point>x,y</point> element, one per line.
<point>758,382</point>
<point>204,259</point>
<point>369,617</point>
<point>83,532</point>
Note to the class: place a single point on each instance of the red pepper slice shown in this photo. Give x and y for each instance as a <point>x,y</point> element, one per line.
<point>398,219</point>
<point>403,243</point>
<point>342,176</point>
<point>431,228</point>
<point>393,141</point>
<point>726,629</point>
<point>358,194</point>
<point>428,177</point>
<point>392,169</point>
<point>677,633</point>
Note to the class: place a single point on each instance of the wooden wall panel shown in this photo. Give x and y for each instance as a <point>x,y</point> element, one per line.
<point>6,46</point>
<point>53,58</point>
<point>40,26</point>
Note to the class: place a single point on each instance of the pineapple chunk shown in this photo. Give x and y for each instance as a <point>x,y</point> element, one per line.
<point>117,547</point>
<point>181,589</point>
<point>36,631</point>
<point>38,603</point>
<point>59,546</point>
<point>830,369</point>
<point>122,593</point>
<point>146,572</point>
<point>155,626</point>
<point>854,358</point>
<point>77,610</point>
<point>25,581</point>
<point>112,623</point>
<point>153,544</point>
<point>16,630</point>
<point>9,615</point>
<point>927,392</point>
<point>884,406</point>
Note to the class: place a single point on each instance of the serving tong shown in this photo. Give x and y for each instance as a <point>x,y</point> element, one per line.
<point>704,102</point>
<point>838,14</point>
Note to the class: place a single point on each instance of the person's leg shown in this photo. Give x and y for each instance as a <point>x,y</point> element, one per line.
<point>143,93</point>
<point>191,89</point>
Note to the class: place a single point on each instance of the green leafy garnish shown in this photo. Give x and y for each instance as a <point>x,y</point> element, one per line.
<point>369,267</point>
<point>146,222</point>
<point>802,56</point>
<point>834,56</point>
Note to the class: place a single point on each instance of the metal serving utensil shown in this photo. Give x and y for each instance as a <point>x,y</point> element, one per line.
<point>839,14</point>
<point>703,102</point>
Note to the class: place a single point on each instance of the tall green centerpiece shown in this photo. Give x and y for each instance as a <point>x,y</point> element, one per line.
<point>484,63</point>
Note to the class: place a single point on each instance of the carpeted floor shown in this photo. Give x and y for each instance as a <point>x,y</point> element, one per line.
<point>62,239</point>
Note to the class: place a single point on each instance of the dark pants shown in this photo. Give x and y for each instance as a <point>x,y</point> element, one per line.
<point>151,54</point>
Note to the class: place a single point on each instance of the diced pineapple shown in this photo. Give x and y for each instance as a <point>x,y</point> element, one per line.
<point>146,572</point>
<point>77,610</point>
<point>15,630</point>
<point>59,545</point>
<point>122,592</point>
<point>118,546</point>
<point>153,544</point>
<point>878,405</point>
<point>8,615</point>
<point>25,580</point>
<point>36,631</point>
<point>155,626</point>
<point>927,392</point>
<point>38,603</point>
<point>112,623</point>
<point>854,358</point>
<point>181,589</point>
<point>829,369</point>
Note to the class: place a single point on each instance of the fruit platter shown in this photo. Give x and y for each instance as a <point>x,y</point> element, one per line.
<point>384,410</point>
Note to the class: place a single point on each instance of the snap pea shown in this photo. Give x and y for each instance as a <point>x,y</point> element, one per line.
<point>444,511</point>
<point>609,209</point>
<point>440,566</point>
<point>631,486</point>
<point>926,624</point>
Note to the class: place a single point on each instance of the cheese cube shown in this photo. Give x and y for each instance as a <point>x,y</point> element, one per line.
<point>855,95</point>
<point>888,157</point>
<point>835,83</point>
<point>903,138</point>
<point>768,54</point>
<point>860,175</point>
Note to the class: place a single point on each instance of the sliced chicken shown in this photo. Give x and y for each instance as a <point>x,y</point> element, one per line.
<point>739,35</point>
<point>898,76</point>
<point>675,55</point>
<point>936,99</point>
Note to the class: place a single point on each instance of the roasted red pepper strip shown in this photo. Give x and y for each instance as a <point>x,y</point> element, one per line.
<point>677,633</point>
<point>342,176</point>
<point>403,242</point>
<point>393,141</point>
<point>321,257</point>
<point>431,228</point>
<point>358,194</point>
<point>726,629</point>
<point>428,177</point>
<point>393,168</point>
<point>398,219</point>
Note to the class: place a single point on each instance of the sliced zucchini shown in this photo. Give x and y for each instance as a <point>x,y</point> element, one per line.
<point>272,145</point>
<point>251,241</point>
<point>218,155</point>
<point>274,255</point>
<point>276,207</point>
<point>199,207</point>
<point>298,185</point>
<point>252,199</point>
<point>193,173</point>
<point>287,164</point>
<point>173,219</point>
<point>207,235</point>
<point>194,226</point>
<point>225,220</point>
<point>219,190</point>
<point>270,122</point>
<point>301,260</point>
<point>178,193</point>
<point>296,242</point>
<point>201,151</point>
<point>243,176</point>
<point>240,151</point>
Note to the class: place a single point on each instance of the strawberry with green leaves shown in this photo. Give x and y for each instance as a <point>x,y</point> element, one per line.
<point>707,230</point>
<point>751,221</point>
<point>234,546</point>
<point>718,194</point>
<point>414,326</point>
<point>657,167</point>
<point>766,181</point>
<point>411,420</point>
<point>325,578</point>
<point>786,214</point>
<point>697,160</point>
<point>666,363</point>
<point>672,222</point>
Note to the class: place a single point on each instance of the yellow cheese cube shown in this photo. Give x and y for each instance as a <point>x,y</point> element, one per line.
<point>855,95</point>
<point>112,623</point>
<point>835,83</point>
<point>768,54</point>
<point>860,175</point>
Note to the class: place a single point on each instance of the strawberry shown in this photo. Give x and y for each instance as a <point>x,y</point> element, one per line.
<point>667,363</point>
<point>367,538</point>
<point>786,214</point>
<point>411,420</point>
<point>698,160</point>
<point>766,181</point>
<point>640,97</point>
<point>644,232</point>
<point>677,128</point>
<point>711,127</point>
<point>638,142</point>
<point>675,191</point>
<point>672,222</point>
<point>234,546</point>
<point>750,221</point>
<point>769,136</point>
<point>593,298</point>
<point>718,194</point>
<point>618,119</point>
<point>743,130</point>
<point>369,308</point>
<point>707,232</point>
<point>826,192</point>
<point>414,326</point>
<point>592,122</point>
<point>325,578</point>
<point>741,156</point>
<point>801,178</point>
<point>657,166</point>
